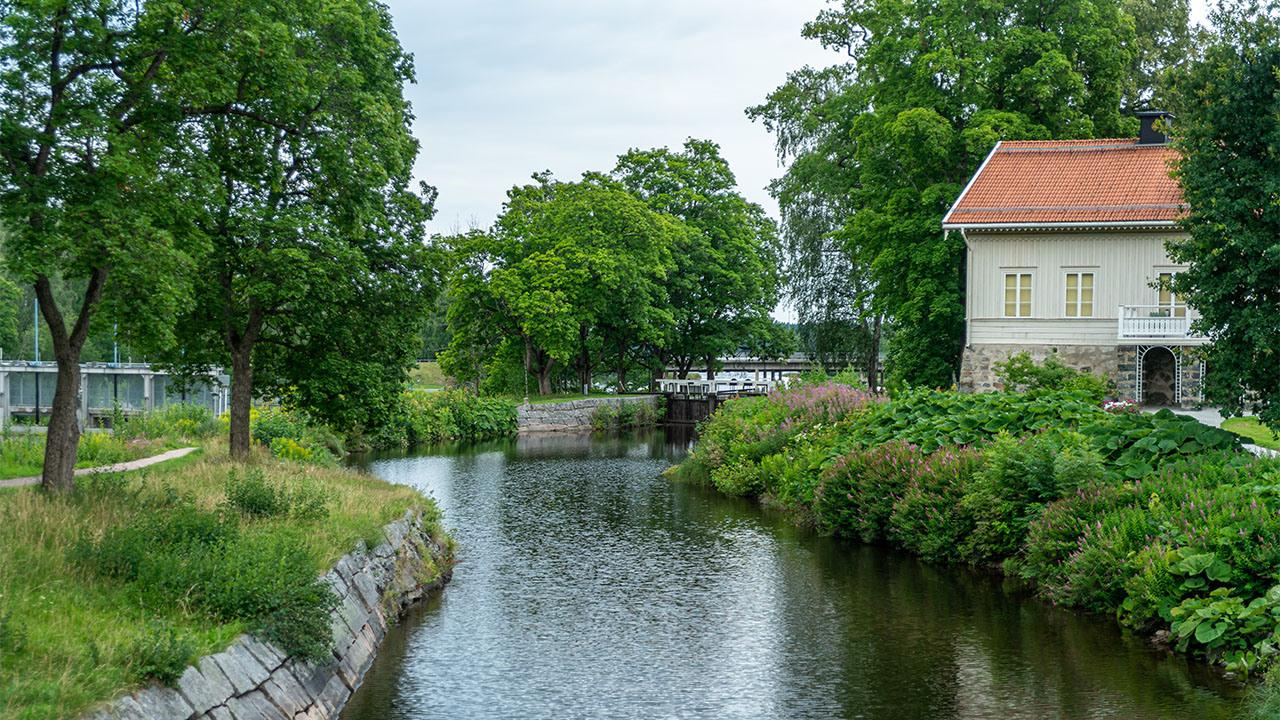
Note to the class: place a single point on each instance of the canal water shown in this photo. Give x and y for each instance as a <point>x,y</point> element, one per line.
<point>591,587</point>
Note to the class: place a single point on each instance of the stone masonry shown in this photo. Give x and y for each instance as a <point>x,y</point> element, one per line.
<point>1120,364</point>
<point>255,680</point>
<point>978,373</point>
<point>571,416</point>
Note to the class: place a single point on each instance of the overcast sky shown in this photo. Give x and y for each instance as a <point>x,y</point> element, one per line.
<point>509,87</point>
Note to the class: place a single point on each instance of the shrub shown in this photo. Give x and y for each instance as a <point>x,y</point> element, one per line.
<point>1055,534</point>
<point>737,479</point>
<point>426,417</point>
<point>929,518</point>
<point>1022,373</point>
<point>604,417</point>
<point>161,654</point>
<point>251,494</point>
<point>1019,479</point>
<point>858,492</point>
<point>177,421</point>
<point>291,435</point>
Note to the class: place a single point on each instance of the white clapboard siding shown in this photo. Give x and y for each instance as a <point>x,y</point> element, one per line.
<point>1124,264</point>
<point>1032,331</point>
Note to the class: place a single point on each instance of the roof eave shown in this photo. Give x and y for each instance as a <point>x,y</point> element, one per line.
<point>1099,225</point>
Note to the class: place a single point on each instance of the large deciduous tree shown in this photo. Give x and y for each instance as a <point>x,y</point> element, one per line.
<point>84,114</point>
<point>881,145</point>
<point>1228,129</point>
<point>567,269</point>
<point>725,279</point>
<point>299,155</point>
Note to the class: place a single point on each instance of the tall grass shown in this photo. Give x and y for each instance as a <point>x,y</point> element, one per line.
<point>70,636</point>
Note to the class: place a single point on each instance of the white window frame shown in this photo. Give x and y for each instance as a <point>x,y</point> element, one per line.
<point>1066,303</point>
<point>1018,288</point>
<point>1174,308</point>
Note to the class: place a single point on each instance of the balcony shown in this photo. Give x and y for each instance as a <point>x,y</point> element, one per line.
<point>1156,322</point>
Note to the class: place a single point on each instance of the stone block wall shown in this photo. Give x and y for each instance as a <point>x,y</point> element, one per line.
<point>573,415</point>
<point>977,366</point>
<point>254,680</point>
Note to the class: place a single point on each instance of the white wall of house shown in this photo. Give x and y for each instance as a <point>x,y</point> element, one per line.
<point>1124,266</point>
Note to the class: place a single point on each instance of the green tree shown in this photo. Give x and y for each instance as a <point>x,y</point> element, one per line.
<point>880,146</point>
<point>299,173</point>
<point>725,280</point>
<point>563,264</point>
<point>84,114</point>
<point>1228,131</point>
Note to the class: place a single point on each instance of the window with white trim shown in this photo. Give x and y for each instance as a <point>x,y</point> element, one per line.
<point>1017,294</point>
<point>1168,301</point>
<point>1079,294</point>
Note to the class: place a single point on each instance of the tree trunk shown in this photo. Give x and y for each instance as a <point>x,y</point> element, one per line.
<point>241,400</point>
<point>544,378</point>
<point>711,368</point>
<point>62,439</point>
<point>873,362</point>
<point>622,367</point>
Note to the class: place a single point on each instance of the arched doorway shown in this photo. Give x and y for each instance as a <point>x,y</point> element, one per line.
<point>1159,377</point>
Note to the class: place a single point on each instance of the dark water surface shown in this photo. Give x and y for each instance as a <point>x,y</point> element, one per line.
<point>590,587</point>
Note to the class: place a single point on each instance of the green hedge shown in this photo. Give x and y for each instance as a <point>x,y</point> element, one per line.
<point>1163,521</point>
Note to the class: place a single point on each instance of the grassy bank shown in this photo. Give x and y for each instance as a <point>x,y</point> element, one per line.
<point>1155,519</point>
<point>1255,431</point>
<point>133,575</point>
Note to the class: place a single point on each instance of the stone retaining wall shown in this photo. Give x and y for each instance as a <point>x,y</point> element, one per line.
<point>255,680</point>
<point>571,416</point>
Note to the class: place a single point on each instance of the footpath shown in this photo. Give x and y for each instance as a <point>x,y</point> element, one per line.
<point>118,467</point>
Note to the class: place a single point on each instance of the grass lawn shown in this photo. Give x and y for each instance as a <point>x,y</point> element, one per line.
<point>1251,428</point>
<point>68,635</point>
<point>427,375</point>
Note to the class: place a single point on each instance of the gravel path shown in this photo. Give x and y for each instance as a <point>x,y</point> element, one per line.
<point>119,467</point>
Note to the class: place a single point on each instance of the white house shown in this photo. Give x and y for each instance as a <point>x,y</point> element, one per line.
<point>1066,253</point>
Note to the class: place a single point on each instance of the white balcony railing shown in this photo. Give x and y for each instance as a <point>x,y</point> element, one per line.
<point>1139,322</point>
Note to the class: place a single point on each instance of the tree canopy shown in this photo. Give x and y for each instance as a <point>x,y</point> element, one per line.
<point>84,118</point>
<point>1228,129</point>
<point>724,283</point>
<point>568,269</point>
<point>880,146</point>
<point>299,174</point>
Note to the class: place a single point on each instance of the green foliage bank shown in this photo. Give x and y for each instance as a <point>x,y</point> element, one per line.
<point>1155,518</point>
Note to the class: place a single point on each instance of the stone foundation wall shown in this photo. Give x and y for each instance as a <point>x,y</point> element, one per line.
<point>978,373</point>
<point>254,679</point>
<point>572,416</point>
<point>1120,364</point>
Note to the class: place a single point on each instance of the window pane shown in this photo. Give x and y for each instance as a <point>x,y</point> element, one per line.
<point>1086,309</point>
<point>1010,281</point>
<point>1071,309</point>
<point>1086,281</point>
<point>1010,310</point>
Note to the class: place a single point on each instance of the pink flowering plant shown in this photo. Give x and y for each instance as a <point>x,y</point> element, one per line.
<point>1152,517</point>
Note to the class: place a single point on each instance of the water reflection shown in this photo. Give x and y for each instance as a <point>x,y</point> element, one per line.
<point>590,587</point>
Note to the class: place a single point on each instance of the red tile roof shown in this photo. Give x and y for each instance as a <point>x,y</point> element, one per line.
<point>1076,182</point>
